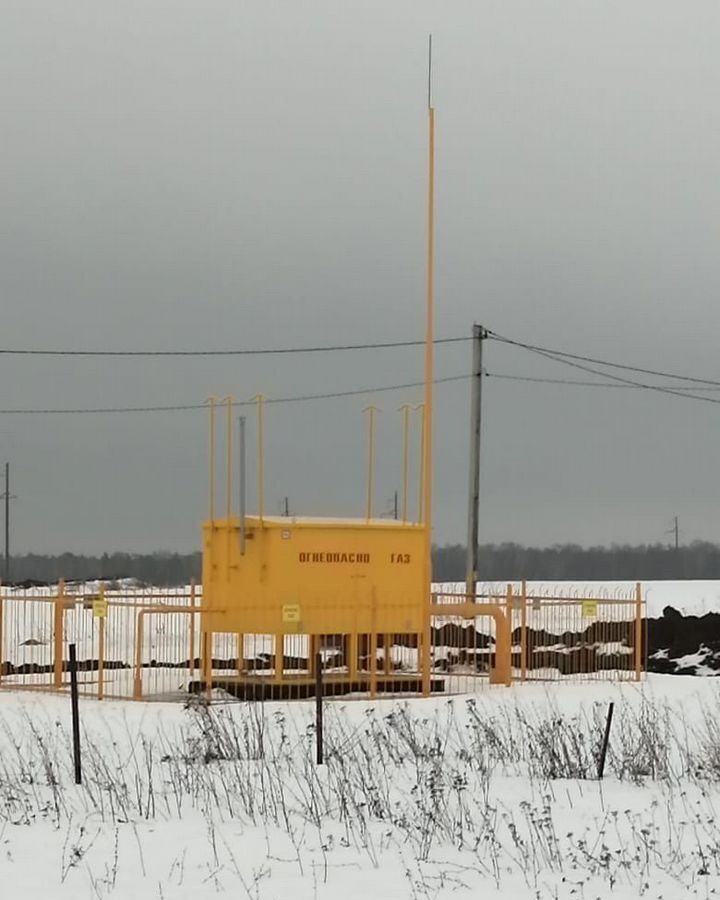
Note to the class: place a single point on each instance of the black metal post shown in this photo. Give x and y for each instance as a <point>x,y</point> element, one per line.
<point>318,709</point>
<point>75,714</point>
<point>606,741</point>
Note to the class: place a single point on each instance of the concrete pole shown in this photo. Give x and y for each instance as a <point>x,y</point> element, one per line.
<point>474,488</point>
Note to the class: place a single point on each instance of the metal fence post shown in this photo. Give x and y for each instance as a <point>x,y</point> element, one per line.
<point>75,715</point>
<point>606,740</point>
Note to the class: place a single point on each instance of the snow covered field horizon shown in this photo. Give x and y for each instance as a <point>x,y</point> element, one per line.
<point>690,597</point>
<point>494,795</point>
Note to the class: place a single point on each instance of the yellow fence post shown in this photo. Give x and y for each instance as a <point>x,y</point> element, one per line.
<point>206,662</point>
<point>638,632</point>
<point>314,644</point>
<point>1,633</point>
<point>101,646</point>
<point>373,646</point>
<point>523,631</point>
<point>509,601</point>
<point>139,636</point>
<point>59,619</point>
<point>353,654</point>
<point>425,648</point>
<point>279,656</point>
<point>192,630</point>
<point>240,653</point>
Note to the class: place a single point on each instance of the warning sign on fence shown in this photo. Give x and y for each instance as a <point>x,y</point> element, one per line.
<point>99,607</point>
<point>291,613</point>
<point>589,609</point>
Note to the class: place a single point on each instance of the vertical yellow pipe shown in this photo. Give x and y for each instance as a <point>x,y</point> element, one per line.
<point>228,459</point>
<point>371,410</point>
<point>428,398</point>
<point>429,332</point>
<point>260,400</point>
<point>405,458</point>
<point>228,482</point>
<point>211,401</point>
<point>421,479</point>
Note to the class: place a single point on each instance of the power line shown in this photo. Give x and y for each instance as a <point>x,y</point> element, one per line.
<point>601,362</point>
<point>264,351</point>
<point>627,381</point>
<point>576,383</point>
<point>617,382</point>
<point>182,407</point>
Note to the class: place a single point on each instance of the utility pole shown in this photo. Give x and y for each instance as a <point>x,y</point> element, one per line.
<point>395,507</point>
<point>286,507</point>
<point>675,530</point>
<point>7,497</point>
<point>471,568</point>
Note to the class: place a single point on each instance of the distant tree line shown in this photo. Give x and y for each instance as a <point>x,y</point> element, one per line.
<point>569,562</point>
<point>497,562</point>
<point>162,569</point>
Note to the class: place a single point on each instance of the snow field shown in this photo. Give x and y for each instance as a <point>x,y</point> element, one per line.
<point>489,796</point>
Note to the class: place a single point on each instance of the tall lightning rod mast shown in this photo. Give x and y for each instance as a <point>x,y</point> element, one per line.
<point>429,334</point>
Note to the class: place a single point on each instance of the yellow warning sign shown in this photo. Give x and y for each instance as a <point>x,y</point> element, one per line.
<point>291,613</point>
<point>589,609</point>
<point>99,607</point>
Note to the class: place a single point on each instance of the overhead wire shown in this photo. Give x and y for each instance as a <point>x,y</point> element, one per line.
<point>181,407</point>
<point>250,351</point>
<point>569,359</point>
<point>492,335</point>
<point>534,379</point>
<point>662,389</point>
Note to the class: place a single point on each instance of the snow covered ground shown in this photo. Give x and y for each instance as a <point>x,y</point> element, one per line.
<point>492,796</point>
<point>691,598</point>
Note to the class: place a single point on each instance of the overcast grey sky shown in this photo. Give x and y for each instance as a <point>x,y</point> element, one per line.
<point>240,174</point>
